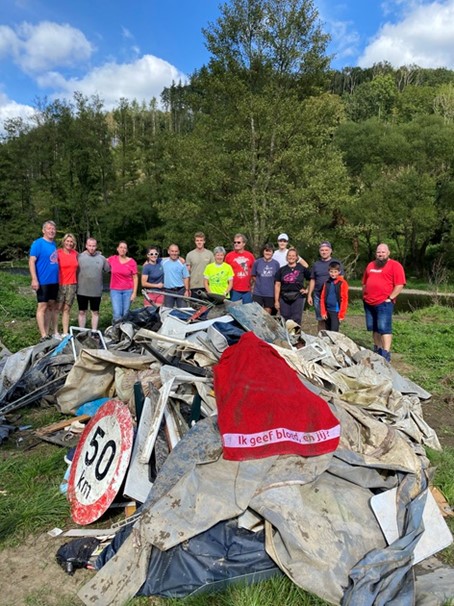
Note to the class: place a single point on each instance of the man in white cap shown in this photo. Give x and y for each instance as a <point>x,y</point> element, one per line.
<point>280,255</point>
<point>319,275</point>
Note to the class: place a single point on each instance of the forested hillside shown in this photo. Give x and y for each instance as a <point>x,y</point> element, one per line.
<point>264,138</point>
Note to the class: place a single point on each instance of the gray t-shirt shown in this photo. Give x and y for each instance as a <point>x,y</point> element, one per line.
<point>320,273</point>
<point>89,274</point>
<point>197,261</point>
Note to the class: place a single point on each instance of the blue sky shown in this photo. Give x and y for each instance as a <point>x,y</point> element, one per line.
<point>50,48</point>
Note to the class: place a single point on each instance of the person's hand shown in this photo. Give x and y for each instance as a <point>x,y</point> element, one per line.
<point>277,305</point>
<point>133,296</point>
<point>325,316</point>
<point>303,291</point>
<point>160,285</point>
<point>35,284</point>
<point>309,299</point>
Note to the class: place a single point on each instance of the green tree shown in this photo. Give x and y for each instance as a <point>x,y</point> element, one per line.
<point>260,157</point>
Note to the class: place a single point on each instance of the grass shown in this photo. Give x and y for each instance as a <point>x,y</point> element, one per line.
<point>424,338</point>
<point>31,501</point>
<point>42,598</point>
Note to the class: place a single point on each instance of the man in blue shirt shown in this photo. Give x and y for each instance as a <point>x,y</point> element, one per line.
<point>176,278</point>
<point>43,266</point>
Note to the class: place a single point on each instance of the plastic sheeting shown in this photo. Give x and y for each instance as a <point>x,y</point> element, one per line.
<point>319,521</point>
<point>220,555</point>
<point>93,376</point>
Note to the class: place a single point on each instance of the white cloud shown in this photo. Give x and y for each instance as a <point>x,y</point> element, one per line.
<point>423,37</point>
<point>44,46</point>
<point>49,45</point>
<point>345,39</point>
<point>126,34</point>
<point>10,109</point>
<point>141,79</point>
<point>9,42</point>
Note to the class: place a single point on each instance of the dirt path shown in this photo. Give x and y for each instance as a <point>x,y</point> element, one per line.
<point>29,574</point>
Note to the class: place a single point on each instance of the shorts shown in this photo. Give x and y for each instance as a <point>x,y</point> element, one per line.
<point>379,318</point>
<point>240,295</point>
<point>316,302</point>
<point>67,294</point>
<point>153,299</point>
<point>83,301</point>
<point>263,301</point>
<point>47,292</point>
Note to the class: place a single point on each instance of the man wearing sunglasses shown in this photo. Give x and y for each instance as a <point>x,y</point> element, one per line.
<point>241,261</point>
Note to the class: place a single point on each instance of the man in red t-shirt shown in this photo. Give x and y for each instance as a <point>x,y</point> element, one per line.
<point>383,281</point>
<point>241,261</point>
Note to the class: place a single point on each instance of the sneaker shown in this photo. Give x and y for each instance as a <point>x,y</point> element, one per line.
<point>378,350</point>
<point>56,335</point>
<point>386,354</point>
<point>44,339</point>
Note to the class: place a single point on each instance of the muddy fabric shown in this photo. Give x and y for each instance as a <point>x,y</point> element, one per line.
<point>434,583</point>
<point>385,575</point>
<point>93,376</point>
<point>319,531</point>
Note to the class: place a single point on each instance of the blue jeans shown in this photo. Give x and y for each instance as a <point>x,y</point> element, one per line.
<point>379,318</point>
<point>238,295</point>
<point>316,302</point>
<point>121,301</point>
<point>170,301</point>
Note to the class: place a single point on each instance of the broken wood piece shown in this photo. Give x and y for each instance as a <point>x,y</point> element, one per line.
<point>61,425</point>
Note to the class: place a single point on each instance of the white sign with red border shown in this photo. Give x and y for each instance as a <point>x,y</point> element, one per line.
<point>100,462</point>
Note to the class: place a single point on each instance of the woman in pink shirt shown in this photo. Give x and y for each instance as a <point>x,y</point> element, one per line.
<point>123,281</point>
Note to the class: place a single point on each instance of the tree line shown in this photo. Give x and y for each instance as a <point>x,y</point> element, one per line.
<point>264,138</point>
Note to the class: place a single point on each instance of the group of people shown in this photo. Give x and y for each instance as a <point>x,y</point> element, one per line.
<point>60,274</point>
<point>280,280</point>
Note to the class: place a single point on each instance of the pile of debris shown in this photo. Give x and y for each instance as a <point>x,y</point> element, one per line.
<point>258,450</point>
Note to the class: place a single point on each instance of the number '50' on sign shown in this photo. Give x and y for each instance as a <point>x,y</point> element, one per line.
<point>100,462</point>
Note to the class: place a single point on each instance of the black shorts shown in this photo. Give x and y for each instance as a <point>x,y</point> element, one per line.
<point>83,301</point>
<point>47,292</point>
<point>263,301</point>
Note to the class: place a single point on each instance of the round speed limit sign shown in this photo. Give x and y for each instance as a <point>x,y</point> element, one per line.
<point>100,462</point>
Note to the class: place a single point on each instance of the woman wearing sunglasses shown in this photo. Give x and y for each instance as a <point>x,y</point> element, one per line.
<point>153,276</point>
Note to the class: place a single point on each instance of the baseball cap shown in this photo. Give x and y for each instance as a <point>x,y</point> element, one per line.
<point>282,237</point>
<point>325,243</point>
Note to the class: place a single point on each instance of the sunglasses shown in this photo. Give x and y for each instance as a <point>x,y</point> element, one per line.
<point>238,242</point>
<point>155,254</point>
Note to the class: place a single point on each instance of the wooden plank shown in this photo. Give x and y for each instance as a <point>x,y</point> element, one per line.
<point>61,425</point>
<point>158,413</point>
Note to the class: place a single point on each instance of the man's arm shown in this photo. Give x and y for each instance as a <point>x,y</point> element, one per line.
<point>186,285</point>
<point>311,290</point>
<point>32,268</point>
<point>396,291</point>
